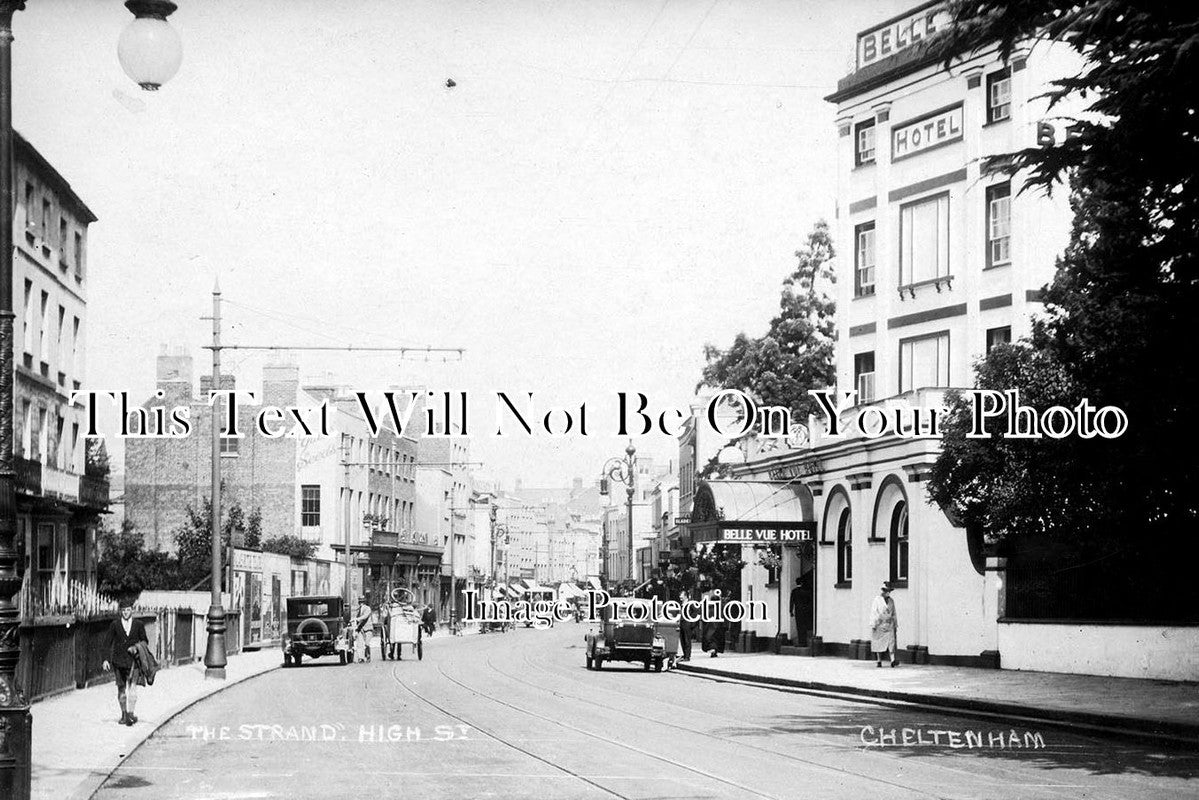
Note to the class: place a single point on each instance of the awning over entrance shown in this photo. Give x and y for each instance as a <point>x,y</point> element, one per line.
<point>410,554</point>
<point>751,512</point>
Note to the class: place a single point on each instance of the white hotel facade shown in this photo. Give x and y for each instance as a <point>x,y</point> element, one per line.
<point>936,264</point>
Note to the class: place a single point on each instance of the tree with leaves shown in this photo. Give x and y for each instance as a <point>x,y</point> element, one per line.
<point>253,535</point>
<point>126,567</point>
<point>193,544</point>
<point>290,545</point>
<point>720,566</point>
<point>1109,515</point>
<point>795,354</point>
<point>95,458</point>
<point>193,539</point>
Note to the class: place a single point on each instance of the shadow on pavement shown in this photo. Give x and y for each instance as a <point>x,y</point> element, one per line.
<point>126,782</point>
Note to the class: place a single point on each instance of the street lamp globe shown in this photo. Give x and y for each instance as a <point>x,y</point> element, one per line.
<point>149,49</point>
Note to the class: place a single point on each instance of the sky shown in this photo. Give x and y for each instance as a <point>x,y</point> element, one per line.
<point>608,186</point>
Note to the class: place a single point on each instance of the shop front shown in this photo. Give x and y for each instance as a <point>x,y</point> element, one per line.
<point>390,563</point>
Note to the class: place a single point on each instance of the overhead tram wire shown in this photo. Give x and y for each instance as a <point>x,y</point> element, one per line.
<point>286,318</point>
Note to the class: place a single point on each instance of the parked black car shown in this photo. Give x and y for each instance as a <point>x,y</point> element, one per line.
<point>314,627</point>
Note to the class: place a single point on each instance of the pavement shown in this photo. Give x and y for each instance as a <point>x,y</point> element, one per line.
<point>77,742</point>
<point>544,720</point>
<point>518,716</point>
<point>1131,706</point>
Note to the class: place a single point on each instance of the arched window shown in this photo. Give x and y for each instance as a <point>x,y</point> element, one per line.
<point>899,543</point>
<point>844,548</point>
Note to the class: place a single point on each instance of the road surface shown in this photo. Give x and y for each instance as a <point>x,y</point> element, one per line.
<point>517,715</point>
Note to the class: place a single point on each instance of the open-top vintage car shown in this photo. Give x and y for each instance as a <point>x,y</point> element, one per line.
<point>626,632</point>
<point>314,628</point>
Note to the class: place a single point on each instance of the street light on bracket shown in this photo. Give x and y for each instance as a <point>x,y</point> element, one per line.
<point>622,470</point>
<point>149,49</point>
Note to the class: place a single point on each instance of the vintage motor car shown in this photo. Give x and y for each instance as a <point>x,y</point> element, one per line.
<point>626,632</point>
<point>314,628</point>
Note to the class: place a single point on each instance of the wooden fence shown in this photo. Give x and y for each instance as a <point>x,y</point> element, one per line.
<point>59,654</point>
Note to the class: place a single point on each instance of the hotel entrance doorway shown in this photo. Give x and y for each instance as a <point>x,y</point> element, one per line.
<point>801,605</point>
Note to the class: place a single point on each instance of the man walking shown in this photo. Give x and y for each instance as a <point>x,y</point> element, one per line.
<point>686,627</point>
<point>713,630</point>
<point>124,633</point>
<point>364,625</point>
<point>883,626</point>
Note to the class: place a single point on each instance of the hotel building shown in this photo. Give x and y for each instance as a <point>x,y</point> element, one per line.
<point>938,262</point>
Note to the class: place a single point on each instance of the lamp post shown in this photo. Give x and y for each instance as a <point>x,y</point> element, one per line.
<point>150,60</point>
<point>491,560</point>
<point>623,470</point>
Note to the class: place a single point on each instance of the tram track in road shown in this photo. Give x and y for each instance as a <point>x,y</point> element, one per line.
<point>524,751</point>
<point>746,790</point>
<point>722,739</point>
<point>1057,788</point>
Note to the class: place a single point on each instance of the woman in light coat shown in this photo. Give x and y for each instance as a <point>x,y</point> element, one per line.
<point>883,626</point>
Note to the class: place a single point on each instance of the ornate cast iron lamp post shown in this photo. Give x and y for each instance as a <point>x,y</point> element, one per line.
<point>623,470</point>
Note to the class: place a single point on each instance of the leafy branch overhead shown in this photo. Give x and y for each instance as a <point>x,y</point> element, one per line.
<point>796,352</point>
<point>1120,308</point>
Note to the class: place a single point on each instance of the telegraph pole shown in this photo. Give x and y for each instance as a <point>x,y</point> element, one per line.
<point>214,654</point>
<point>453,580</point>
<point>347,587</point>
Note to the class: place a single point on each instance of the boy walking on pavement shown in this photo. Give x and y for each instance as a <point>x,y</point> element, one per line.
<point>124,633</point>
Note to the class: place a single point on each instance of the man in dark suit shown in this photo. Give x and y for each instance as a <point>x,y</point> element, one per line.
<point>686,627</point>
<point>123,633</point>
<point>801,607</point>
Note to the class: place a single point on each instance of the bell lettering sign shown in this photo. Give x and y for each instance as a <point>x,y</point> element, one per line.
<point>1048,133</point>
<point>901,33</point>
<point>933,130</point>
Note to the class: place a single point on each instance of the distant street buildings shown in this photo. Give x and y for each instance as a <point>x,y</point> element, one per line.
<point>408,505</point>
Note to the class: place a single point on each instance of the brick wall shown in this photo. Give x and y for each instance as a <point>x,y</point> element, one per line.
<point>163,476</point>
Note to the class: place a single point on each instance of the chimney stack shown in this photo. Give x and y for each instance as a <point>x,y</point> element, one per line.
<point>174,376</point>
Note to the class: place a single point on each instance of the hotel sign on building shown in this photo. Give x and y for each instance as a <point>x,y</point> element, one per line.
<point>745,532</point>
<point>900,33</point>
<point>943,126</point>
